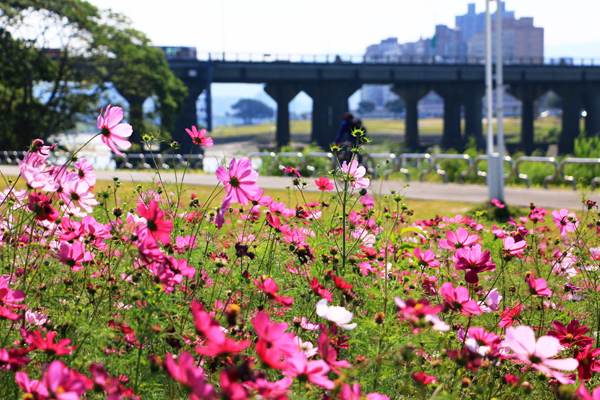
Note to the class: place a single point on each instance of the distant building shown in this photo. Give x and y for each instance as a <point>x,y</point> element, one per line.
<point>448,42</point>
<point>521,41</point>
<point>471,22</point>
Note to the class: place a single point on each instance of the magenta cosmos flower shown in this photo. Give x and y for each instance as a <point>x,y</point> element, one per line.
<point>458,299</point>
<point>540,355</point>
<point>112,131</point>
<point>239,180</point>
<point>158,227</point>
<point>565,222</point>
<point>355,174</point>
<point>199,137</point>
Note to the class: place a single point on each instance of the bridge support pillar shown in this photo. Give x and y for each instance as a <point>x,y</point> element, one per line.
<point>527,94</point>
<point>189,116</point>
<point>330,102</point>
<point>473,101</point>
<point>572,98</point>
<point>451,137</point>
<point>136,117</point>
<point>411,94</point>
<point>592,107</point>
<point>282,94</point>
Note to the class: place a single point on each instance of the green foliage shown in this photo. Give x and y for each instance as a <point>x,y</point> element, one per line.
<point>249,109</point>
<point>71,54</point>
<point>395,106</point>
<point>365,107</point>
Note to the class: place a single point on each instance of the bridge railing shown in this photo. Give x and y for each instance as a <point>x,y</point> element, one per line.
<point>572,160</point>
<point>389,59</point>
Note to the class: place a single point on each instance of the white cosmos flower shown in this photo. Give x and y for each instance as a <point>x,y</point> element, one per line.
<point>306,347</point>
<point>338,315</point>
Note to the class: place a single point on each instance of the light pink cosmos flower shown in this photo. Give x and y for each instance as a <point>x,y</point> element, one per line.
<point>513,248</point>
<point>492,301</point>
<point>354,393</point>
<point>538,286</point>
<point>35,318</point>
<point>84,172</point>
<point>313,371</point>
<point>368,201</point>
<point>239,180</point>
<point>199,137</point>
<point>338,315</point>
<point>307,348</point>
<point>458,240</point>
<point>539,355</point>
<point>562,221</point>
<point>112,131</point>
<point>458,300</point>
<point>77,191</point>
<point>356,174</point>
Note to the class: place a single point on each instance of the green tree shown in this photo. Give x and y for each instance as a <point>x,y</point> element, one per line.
<point>57,59</point>
<point>395,106</point>
<point>365,107</point>
<point>248,109</point>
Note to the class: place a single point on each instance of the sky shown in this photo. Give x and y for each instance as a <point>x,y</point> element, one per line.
<point>344,27</point>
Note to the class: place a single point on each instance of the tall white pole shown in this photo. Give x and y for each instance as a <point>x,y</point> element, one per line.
<point>488,79</point>
<point>500,100</point>
<point>492,169</point>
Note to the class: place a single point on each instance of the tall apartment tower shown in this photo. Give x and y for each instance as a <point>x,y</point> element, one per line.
<point>472,22</point>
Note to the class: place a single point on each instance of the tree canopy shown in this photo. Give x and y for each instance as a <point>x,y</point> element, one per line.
<point>366,106</point>
<point>249,109</point>
<point>60,56</point>
<point>395,106</point>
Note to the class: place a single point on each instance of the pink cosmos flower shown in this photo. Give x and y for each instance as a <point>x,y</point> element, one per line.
<point>498,203</point>
<point>199,137</point>
<point>239,180</point>
<point>329,354</point>
<point>77,191</point>
<point>422,379</point>
<point>112,131</point>
<point>368,201</point>
<point>421,314</point>
<point>313,371</point>
<point>513,248</point>
<point>540,355</point>
<point>84,172</point>
<point>426,258</point>
<point>354,393</point>
<point>562,219</point>
<point>584,394</point>
<point>189,376</point>
<point>273,344</point>
<point>458,299</point>
<point>47,344</point>
<point>270,287</point>
<point>509,316</point>
<point>259,199</point>
<point>458,240</point>
<point>157,226</point>
<point>35,388</point>
<point>8,300</point>
<point>355,174</point>
<point>586,358</point>
<point>74,255</point>
<point>292,170</point>
<point>63,384</point>
<point>324,184</point>
<point>538,286</point>
<point>474,262</point>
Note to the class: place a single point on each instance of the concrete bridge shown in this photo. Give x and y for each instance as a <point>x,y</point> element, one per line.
<point>460,82</point>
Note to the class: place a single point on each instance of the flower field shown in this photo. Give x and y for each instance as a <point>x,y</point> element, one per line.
<point>145,295</point>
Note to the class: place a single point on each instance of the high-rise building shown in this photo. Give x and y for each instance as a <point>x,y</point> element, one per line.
<point>521,41</point>
<point>448,42</point>
<point>473,22</point>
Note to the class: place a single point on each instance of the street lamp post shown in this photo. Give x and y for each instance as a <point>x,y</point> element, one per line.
<point>495,173</point>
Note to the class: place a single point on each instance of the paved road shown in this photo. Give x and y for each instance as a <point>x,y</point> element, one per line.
<point>416,190</point>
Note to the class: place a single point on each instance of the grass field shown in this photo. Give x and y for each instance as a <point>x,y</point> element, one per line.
<point>388,126</point>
